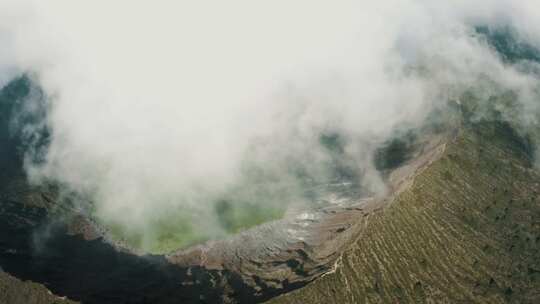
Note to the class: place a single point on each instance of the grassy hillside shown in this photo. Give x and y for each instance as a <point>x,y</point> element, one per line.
<point>466,231</point>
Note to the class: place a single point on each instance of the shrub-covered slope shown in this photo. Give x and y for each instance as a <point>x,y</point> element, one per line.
<point>466,231</point>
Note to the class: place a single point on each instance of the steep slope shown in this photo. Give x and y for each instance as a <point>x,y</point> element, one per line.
<point>47,238</point>
<point>14,291</point>
<point>466,231</point>
<point>44,241</point>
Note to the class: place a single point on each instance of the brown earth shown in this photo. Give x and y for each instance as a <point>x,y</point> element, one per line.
<point>467,230</point>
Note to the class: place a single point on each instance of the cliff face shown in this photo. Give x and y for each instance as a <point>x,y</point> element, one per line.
<point>466,231</point>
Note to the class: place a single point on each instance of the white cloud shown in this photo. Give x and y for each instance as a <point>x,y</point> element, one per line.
<point>155,104</point>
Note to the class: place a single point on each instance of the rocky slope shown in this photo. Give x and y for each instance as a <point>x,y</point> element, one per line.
<point>466,231</point>
<point>14,291</point>
<point>50,241</point>
<point>459,224</point>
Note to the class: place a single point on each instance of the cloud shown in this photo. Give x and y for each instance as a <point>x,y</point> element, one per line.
<point>152,106</point>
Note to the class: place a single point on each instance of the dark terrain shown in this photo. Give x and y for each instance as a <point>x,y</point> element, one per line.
<point>47,240</point>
